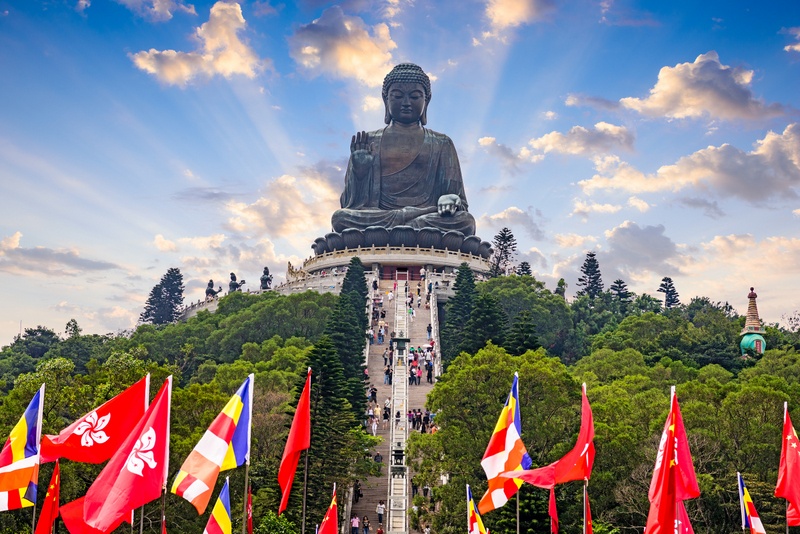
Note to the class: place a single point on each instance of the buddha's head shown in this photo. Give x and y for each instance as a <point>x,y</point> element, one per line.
<point>406,94</point>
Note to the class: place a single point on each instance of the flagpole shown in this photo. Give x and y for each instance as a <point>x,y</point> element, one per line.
<point>305,491</point>
<point>585,482</point>
<point>163,507</point>
<point>517,511</point>
<point>246,495</point>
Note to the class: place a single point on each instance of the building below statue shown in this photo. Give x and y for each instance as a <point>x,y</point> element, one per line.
<point>324,272</point>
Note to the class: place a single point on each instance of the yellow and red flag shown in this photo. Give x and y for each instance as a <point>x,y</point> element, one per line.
<point>789,471</point>
<point>505,452</point>
<point>19,458</point>
<point>299,439</point>
<point>330,523</point>
<point>225,445</point>
<point>474,521</point>
<point>220,520</point>
<point>674,479</point>
<point>750,519</point>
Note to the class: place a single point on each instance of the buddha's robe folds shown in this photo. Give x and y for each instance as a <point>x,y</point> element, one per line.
<point>408,197</point>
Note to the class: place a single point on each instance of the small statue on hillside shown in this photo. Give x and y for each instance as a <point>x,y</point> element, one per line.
<point>211,293</point>
<point>233,285</point>
<point>266,280</point>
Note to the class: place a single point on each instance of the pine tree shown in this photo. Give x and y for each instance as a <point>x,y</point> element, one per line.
<point>164,304</point>
<point>505,246</point>
<point>619,291</point>
<point>591,281</point>
<point>337,444</point>
<point>487,322</point>
<point>670,293</point>
<point>561,288</point>
<point>524,269</point>
<point>522,335</point>
<point>457,313</point>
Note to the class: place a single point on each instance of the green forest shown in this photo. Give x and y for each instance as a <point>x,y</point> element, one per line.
<point>629,349</point>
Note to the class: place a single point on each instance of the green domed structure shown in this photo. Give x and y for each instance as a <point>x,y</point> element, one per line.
<point>752,339</point>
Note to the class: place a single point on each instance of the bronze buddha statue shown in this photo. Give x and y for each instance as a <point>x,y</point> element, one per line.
<point>404,174</point>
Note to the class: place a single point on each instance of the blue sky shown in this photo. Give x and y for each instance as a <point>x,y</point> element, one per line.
<point>139,135</point>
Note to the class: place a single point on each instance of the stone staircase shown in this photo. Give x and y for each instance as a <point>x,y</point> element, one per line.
<point>394,485</point>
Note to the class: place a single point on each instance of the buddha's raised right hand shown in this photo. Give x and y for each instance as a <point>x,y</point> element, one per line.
<point>361,153</point>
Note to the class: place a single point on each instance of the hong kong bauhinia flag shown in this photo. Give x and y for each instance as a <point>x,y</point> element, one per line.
<point>299,439</point>
<point>96,436</point>
<point>673,479</point>
<point>789,471</point>
<point>137,472</point>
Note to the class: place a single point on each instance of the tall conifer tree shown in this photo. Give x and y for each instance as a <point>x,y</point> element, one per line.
<point>591,283</point>
<point>164,304</point>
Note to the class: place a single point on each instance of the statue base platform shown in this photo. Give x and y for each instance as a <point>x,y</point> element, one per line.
<point>325,272</point>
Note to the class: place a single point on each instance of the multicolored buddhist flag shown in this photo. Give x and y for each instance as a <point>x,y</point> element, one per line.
<point>225,445</point>
<point>474,521</point>
<point>575,465</point>
<point>220,520</point>
<point>788,486</point>
<point>505,452</point>
<point>19,458</point>
<point>50,506</point>
<point>750,519</point>
<point>674,479</point>
<point>330,523</point>
<point>95,437</point>
<point>299,439</point>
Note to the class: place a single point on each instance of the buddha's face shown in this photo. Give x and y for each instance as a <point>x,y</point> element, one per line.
<point>406,102</point>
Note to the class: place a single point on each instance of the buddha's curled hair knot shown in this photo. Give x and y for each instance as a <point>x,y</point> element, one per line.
<point>410,73</point>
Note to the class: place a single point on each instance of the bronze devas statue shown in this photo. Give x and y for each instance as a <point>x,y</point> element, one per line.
<point>404,174</point>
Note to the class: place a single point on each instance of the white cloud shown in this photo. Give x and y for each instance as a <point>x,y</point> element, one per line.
<point>514,217</point>
<point>574,240</point>
<point>163,244</point>
<point>221,51</point>
<point>638,250</point>
<point>290,206</point>
<point>639,204</point>
<point>155,10</point>
<point>81,6</point>
<point>534,257</point>
<point>371,103</point>
<point>550,115</point>
<point>795,32</point>
<point>342,47</point>
<point>19,260</point>
<point>504,14</point>
<point>603,138</point>
<point>584,209</point>
<point>774,165</point>
<point>703,88</point>
<point>509,159</point>
<point>796,212</point>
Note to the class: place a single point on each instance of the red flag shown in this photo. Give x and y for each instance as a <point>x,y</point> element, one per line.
<point>249,509</point>
<point>551,509</point>
<point>299,440</point>
<point>96,436</point>
<point>50,507</point>
<point>330,523</point>
<point>163,525</point>
<point>789,471</point>
<point>587,513</point>
<point>575,465</point>
<point>72,516</point>
<point>684,526</point>
<point>673,476</point>
<point>137,472</point>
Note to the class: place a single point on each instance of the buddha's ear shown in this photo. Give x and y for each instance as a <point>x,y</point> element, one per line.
<point>387,118</point>
<point>424,118</point>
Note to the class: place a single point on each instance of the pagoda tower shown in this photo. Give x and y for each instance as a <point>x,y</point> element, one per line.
<point>752,338</point>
